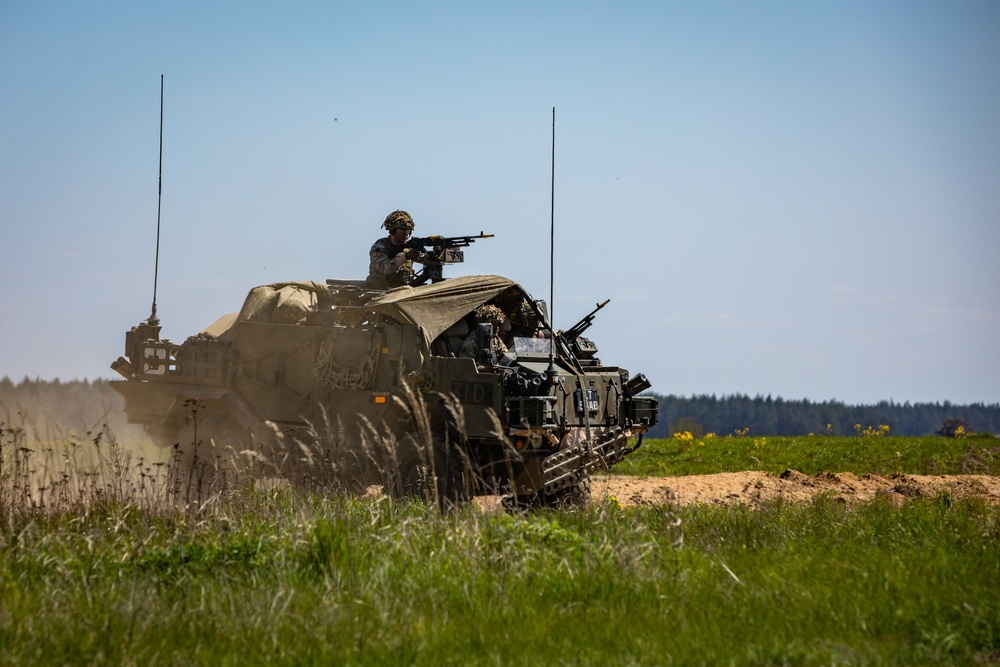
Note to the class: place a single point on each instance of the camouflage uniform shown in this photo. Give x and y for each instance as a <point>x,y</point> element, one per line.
<point>382,271</point>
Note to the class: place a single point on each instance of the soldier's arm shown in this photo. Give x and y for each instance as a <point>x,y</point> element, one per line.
<point>382,263</point>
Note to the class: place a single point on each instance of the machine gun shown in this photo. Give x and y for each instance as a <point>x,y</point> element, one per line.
<point>577,329</point>
<point>582,347</point>
<point>438,251</point>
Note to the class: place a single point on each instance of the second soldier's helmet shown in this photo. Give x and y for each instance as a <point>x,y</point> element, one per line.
<point>490,313</point>
<point>398,220</point>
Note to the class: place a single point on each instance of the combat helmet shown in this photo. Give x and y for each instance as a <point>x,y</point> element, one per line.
<point>490,313</point>
<point>525,315</point>
<point>398,220</point>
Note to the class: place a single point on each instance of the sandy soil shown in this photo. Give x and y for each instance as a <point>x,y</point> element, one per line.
<point>753,488</point>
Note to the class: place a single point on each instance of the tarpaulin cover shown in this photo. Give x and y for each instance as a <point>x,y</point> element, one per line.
<point>437,306</point>
<point>281,303</point>
<point>277,303</point>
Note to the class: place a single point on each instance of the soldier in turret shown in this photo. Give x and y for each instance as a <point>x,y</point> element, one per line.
<point>391,262</point>
<point>472,346</point>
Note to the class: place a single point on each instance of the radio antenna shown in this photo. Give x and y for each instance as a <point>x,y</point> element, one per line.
<point>552,228</point>
<point>552,254</point>
<point>159,197</point>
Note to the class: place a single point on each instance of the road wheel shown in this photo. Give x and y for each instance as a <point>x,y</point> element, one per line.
<point>428,472</point>
<point>574,496</point>
<point>413,470</point>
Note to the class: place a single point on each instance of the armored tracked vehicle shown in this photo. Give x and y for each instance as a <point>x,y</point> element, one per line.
<point>442,391</point>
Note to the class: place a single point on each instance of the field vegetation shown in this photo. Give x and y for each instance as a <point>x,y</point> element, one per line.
<point>871,450</point>
<point>111,566</point>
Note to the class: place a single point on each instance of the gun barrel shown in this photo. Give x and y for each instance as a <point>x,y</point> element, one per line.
<point>574,331</point>
<point>438,241</point>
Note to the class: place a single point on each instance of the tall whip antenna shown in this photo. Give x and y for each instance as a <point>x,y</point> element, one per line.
<point>159,197</point>
<point>552,229</point>
<point>552,254</point>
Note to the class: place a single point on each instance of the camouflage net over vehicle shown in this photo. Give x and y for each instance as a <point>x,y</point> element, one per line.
<point>344,374</point>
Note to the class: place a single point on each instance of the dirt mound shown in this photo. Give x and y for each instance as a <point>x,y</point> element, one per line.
<point>754,488</point>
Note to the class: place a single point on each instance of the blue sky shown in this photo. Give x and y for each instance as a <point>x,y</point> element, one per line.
<point>786,198</point>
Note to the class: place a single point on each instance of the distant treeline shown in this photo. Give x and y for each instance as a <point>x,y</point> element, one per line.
<point>51,410</point>
<point>776,416</point>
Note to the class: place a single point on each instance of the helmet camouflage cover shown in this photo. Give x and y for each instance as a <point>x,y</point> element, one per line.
<point>398,220</point>
<point>490,313</point>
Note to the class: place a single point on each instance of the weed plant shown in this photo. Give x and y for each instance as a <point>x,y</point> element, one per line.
<point>59,474</point>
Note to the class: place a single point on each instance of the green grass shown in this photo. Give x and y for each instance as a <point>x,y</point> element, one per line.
<point>878,455</point>
<point>289,579</point>
<point>111,571</point>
